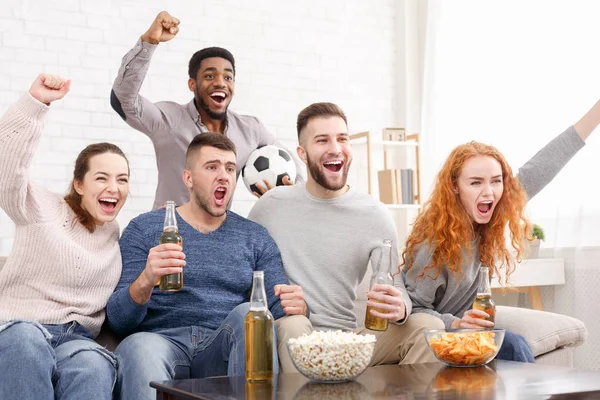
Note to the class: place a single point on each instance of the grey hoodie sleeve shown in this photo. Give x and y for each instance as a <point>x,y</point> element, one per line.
<point>422,290</point>
<point>547,163</point>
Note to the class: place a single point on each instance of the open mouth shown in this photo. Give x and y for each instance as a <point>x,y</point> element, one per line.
<point>218,97</point>
<point>333,166</point>
<point>220,194</point>
<point>108,204</point>
<point>485,207</point>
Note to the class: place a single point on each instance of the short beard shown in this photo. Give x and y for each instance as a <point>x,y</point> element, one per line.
<point>203,203</point>
<point>211,114</point>
<point>319,177</point>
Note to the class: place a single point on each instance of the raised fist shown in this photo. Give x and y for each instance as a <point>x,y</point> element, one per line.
<point>47,88</point>
<point>163,29</point>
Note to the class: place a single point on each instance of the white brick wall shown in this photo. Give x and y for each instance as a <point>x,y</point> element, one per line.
<point>288,55</point>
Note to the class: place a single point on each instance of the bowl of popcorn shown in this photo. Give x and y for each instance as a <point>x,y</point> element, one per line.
<point>465,347</point>
<point>331,356</point>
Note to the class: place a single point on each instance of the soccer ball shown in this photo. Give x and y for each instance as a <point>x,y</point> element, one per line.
<point>270,163</point>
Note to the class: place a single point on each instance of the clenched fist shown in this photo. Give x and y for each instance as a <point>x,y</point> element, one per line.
<point>292,299</point>
<point>163,29</point>
<point>47,88</point>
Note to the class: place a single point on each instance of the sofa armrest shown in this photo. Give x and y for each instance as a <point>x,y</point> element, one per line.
<point>544,331</point>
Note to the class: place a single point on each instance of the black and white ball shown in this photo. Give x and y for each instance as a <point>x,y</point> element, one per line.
<point>270,163</point>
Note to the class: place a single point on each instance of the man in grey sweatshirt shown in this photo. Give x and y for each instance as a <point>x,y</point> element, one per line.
<point>328,233</point>
<point>172,126</point>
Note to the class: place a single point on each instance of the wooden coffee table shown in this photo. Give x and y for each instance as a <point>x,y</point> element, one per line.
<point>499,380</point>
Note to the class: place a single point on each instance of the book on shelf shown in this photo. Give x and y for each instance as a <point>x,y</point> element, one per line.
<point>396,186</point>
<point>407,186</point>
<point>390,186</point>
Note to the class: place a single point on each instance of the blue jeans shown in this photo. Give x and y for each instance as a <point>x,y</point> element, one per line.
<point>515,348</point>
<point>53,362</point>
<point>181,353</point>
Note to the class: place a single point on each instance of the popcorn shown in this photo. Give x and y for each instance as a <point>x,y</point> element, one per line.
<point>331,355</point>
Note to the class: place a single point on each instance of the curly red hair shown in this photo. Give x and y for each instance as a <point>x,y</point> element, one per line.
<point>445,226</point>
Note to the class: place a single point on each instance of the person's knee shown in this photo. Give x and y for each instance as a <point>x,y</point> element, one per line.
<point>515,341</point>
<point>517,347</point>
<point>240,310</point>
<point>235,319</point>
<point>422,322</point>
<point>28,340</point>
<point>95,362</point>
<point>139,347</point>
<point>293,326</point>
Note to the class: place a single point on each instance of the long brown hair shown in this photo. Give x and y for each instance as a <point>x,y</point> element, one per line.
<point>82,166</point>
<point>445,226</point>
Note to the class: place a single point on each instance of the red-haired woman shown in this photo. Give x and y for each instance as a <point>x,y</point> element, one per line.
<point>462,226</point>
<point>64,264</point>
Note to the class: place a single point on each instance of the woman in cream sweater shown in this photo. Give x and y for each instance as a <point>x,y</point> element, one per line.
<point>64,264</point>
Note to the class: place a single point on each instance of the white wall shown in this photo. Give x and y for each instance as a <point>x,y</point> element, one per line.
<point>288,55</point>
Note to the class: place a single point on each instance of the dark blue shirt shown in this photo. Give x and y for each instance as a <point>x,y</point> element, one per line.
<point>217,276</point>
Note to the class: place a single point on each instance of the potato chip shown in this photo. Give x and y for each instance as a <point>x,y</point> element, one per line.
<point>465,348</point>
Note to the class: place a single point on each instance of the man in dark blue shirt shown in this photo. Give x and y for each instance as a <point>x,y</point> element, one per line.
<point>198,331</point>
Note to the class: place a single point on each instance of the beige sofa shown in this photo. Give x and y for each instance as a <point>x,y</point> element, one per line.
<point>551,336</point>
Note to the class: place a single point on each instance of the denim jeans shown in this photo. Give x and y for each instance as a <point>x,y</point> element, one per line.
<point>515,348</point>
<point>186,352</point>
<point>53,362</point>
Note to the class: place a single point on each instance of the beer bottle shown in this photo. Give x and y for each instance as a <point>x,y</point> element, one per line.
<point>258,327</point>
<point>384,277</point>
<point>484,301</point>
<point>171,282</point>
<point>259,390</point>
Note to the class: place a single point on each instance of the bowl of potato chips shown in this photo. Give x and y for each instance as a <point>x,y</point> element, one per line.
<point>473,383</point>
<point>465,347</point>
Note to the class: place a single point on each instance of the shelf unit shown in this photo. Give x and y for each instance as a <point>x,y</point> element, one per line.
<point>382,153</point>
<point>388,145</point>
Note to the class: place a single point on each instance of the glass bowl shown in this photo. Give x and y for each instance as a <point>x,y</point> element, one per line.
<point>465,347</point>
<point>328,363</point>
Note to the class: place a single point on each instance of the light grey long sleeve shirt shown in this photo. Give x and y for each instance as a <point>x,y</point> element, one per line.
<point>448,298</point>
<point>172,126</point>
<point>326,246</point>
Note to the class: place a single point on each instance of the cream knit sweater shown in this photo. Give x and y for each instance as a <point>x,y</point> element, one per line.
<point>57,271</point>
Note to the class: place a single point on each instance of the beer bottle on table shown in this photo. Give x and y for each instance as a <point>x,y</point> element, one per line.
<point>383,276</point>
<point>259,390</point>
<point>258,326</point>
<point>171,282</point>
<point>484,301</point>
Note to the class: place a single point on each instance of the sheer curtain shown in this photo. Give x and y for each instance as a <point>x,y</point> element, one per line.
<point>515,74</point>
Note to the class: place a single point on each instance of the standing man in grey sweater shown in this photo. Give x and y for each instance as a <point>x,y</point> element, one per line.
<point>172,126</point>
<point>327,233</point>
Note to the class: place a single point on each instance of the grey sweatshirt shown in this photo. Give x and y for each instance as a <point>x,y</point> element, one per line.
<point>447,298</point>
<point>326,246</point>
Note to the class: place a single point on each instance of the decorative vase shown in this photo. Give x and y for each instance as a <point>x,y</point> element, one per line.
<point>534,249</point>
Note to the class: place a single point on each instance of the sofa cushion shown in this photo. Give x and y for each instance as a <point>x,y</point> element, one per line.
<point>545,331</point>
